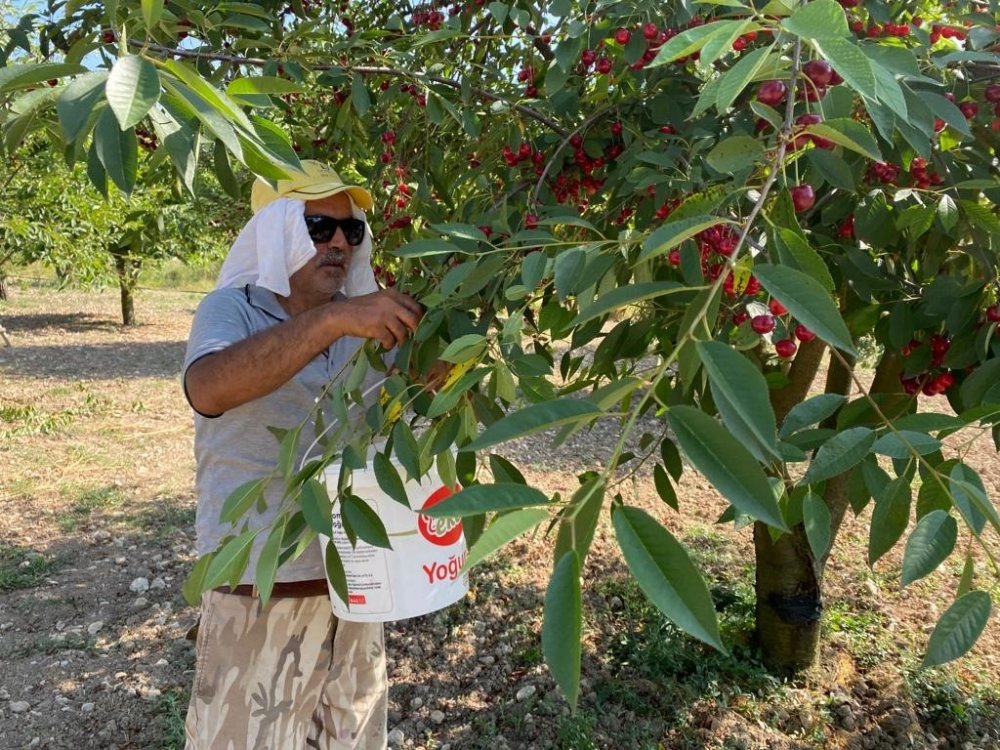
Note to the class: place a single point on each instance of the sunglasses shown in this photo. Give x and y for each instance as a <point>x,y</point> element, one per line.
<point>322,228</point>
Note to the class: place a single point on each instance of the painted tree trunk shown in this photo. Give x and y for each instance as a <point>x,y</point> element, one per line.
<point>789,600</point>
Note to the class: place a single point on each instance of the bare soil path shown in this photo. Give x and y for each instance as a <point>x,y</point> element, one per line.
<point>96,512</point>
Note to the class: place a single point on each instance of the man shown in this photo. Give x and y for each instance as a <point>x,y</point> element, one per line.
<point>295,301</point>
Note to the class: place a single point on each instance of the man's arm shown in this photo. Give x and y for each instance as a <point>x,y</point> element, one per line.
<point>267,360</point>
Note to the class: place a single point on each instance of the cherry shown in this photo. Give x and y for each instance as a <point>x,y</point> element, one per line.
<point>803,197</point>
<point>530,221</point>
<point>969,109</point>
<point>819,72</point>
<point>604,65</point>
<point>622,36</point>
<point>992,93</point>
<point>108,36</point>
<point>741,317</point>
<point>762,323</point>
<point>776,307</point>
<point>650,31</point>
<point>616,128</point>
<point>588,57</point>
<point>785,348</point>
<point>803,334</point>
<point>993,313</point>
<point>771,92</point>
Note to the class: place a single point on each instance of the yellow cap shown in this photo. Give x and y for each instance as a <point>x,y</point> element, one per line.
<point>315,181</point>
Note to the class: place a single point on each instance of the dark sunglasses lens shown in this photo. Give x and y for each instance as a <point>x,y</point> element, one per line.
<point>322,228</point>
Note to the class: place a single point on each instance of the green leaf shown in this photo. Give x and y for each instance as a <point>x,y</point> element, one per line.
<point>808,302</point>
<point>483,498</point>
<point>673,233</point>
<point>316,507</point>
<point>133,87</point>
<point>77,101</point>
<point>737,78</point>
<point>364,521</point>
<point>118,151</point>
<point>335,573</point>
<point>686,43</point>
<point>832,168</point>
<point>811,411</point>
<point>902,444</point>
<point>359,95</point>
<point>624,296</point>
<point>741,395</point>
<point>464,348</point>
<point>848,133</point>
<point>152,10</point>
<point>535,418</point>
<point>563,625</point>
<point>504,529</point>
<point>181,143</point>
<point>725,463</point>
<point>578,521</point>
<point>424,248</point>
<point>840,453</point>
<point>734,154</point>
<point>850,62</point>
<point>959,628</point>
<point>241,500</point>
<point>665,573</point>
<point>229,562</point>
<point>261,85</point>
<point>978,384</point>
<point>388,479</point>
<point>14,77</point>
<point>819,19</point>
<point>816,518</point>
<point>663,487</point>
<point>889,519</point>
<point>969,496</point>
<point>795,252</point>
<point>929,545</point>
<point>267,563</point>
<point>194,585</point>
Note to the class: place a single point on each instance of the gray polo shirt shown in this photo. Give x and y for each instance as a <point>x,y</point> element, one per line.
<point>236,447</point>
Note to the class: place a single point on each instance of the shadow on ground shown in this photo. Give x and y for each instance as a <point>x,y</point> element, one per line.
<point>126,359</point>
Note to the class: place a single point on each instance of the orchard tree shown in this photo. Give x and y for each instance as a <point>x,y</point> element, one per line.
<point>50,215</point>
<point>710,207</point>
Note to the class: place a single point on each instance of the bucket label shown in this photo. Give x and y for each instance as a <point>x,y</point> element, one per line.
<point>443,532</point>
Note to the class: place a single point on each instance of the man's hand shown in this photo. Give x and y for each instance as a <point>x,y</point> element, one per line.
<point>388,316</point>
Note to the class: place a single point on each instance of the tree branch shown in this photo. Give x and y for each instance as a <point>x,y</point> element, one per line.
<point>527,111</point>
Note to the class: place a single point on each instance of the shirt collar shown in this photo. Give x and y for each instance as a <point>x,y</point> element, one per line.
<point>265,300</point>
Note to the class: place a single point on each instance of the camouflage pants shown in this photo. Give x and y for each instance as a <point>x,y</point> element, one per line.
<point>286,676</point>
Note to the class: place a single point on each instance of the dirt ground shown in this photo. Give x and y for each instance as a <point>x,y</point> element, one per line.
<point>96,516</point>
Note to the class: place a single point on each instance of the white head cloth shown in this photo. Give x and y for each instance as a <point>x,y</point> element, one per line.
<point>275,243</point>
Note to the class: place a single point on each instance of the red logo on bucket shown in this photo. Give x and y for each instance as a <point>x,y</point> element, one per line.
<point>441,531</point>
<point>356,599</point>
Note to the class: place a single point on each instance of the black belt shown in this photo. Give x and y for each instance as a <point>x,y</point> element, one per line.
<point>282,590</point>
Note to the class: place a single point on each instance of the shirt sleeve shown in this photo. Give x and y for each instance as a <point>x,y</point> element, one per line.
<point>222,319</point>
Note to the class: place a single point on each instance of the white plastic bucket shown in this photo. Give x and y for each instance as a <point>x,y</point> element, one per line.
<point>419,574</point>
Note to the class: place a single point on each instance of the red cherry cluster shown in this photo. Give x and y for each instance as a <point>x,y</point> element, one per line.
<point>933,382</point>
<point>784,348</point>
<point>846,229</point>
<point>527,75</point>
<point>388,138</point>
<point>524,153</point>
<point>946,32</point>
<point>414,91</point>
<point>884,172</point>
<point>428,17</point>
<point>385,277</point>
<point>923,177</point>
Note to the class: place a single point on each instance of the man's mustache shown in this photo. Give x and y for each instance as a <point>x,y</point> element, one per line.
<point>334,258</point>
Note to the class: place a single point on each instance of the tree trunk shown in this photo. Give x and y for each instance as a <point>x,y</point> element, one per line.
<point>128,276</point>
<point>3,288</point>
<point>789,581</point>
<point>789,600</point>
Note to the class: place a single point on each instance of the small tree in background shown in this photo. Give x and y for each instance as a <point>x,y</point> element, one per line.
<point>755,188</point>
